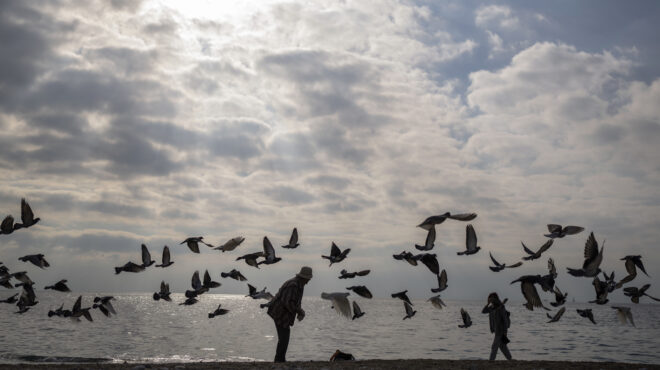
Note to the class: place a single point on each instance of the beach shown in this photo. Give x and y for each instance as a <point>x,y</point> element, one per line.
<point>366,364</point>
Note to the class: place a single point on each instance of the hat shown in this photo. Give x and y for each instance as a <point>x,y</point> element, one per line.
<point>305,273</point>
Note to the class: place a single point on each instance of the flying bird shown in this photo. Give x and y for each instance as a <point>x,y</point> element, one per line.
<point>592,259</point>
<point>339,302</point>
<point>437,302</point>
<point>467,321</point>
<point>632,263</point>
<point>560,298</point>
<point>557,315</point>
<point>500,266</point>
<point>104,305</point>
<point>336,255</point>
<point>429,260</point>
<point>430,240</point>
<point>27,217</point>
<point>164,292</point>
<point>624,314</point>
<point>529,291</point>
<point>197,287</point>
<point>77,311</point>
<point>234,274</point>
<point>534,255</point>
<point>436,220</point>
<point>166,258</point>
<point>402,296</point>
<point>262,294</point>
<point>193,243</point>
<point>349,275</point>
<point>409,310</point>
<point>60,286</point>
<point>7,225</point>
<point>10,300</point>
<point>207,283</point>
<point>129,267</point>
<point>470,241</point>
<point>230,244</point>
<point>357,312</point>
<point>218,311</point>
<point>293,240</point>
<point>587,313</point>
<point>407,256</point>
<point>251,258</point>
<point>636,293</point>
<point>22,277</point>
<point>35,259</point>
<point>146,257</point>
<point>269,253</point>
<point>27,299</point>
<point>556,231</point>
<point>442,282</point>
<point>609,280</point>
<point>189,301</point>
<point>361,290</point>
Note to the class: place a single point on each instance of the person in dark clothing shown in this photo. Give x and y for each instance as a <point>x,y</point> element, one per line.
<point>499,323</point>
<point>284,308</point>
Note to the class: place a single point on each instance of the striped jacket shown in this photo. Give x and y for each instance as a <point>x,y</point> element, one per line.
<point>286,303</point>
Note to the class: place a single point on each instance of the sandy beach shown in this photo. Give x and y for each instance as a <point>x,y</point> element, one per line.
<point>366,364</point>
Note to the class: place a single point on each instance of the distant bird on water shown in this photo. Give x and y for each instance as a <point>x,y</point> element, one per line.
<point>402,296</point>
<point>357,312</point>
<point>35,259</point>
<point>409,310</point>
<point>529,291</point>
<point>467,321</point>
<point>587,313</point>
<point>592,259</point>
<point>164,292</point>
<point>442,282</point>
<point>193,243</point>
<point>60,286</point>
<point>437,302</point>
<point>218,311</point>
<point>438,219</point>
<point>269,253</point>
<point>165,258</point>
<point>557,315</point>
<point>430,240</point>
<point>234,274</point>
<point>293,240</point>
<point>361,290</point>
<point>339,302</point>
<point>336,255</point>
<point>500,266</point>
<point>556,231</point>
<point>636,293</point>
<point>624,314</point>
<point>534,255</point>
<point>632,263</point>
<point>230,244</point>
<point>27,217</point>
<point>470,241</point>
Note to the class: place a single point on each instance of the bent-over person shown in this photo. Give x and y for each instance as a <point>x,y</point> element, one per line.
<point>499,323</point>
<point>284,308</point>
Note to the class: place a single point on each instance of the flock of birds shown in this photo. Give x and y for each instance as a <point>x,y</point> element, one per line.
<point>593,257</point>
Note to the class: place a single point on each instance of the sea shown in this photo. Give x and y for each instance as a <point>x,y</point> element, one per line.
<point>148,331</point>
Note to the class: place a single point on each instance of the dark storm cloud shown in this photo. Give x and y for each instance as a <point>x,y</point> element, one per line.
<point>289,194</point>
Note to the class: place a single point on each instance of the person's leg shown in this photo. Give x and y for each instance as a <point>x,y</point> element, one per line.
<point>494,347</point>
<point>283,334</point>
<point>505,350</point>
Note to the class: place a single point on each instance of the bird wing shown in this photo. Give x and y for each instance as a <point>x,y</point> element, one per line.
<point>630,267</point>
<point>252,289</point>
<point>463,216</point>
<point>356,308</point>
<point>196,283</point>
<point>340,303</point>
<point>430,237</point>
<point>166,255</point>
<point>494,260</point>
<point>334,250</point>
<point>559,314</point>
<point>551,266</point>
<point>527,250</point>
<point>207,278</point>
<point>630,317</point>
<point>294,237</point>
<point>470,238</point>
<point>545,246</point>
<point>7,225</point>
<point>638,262</point>
<point>554,228</point>
<point>517,264</point>
<point>163,287</point>
<point>146,256</point>
<point>363,273</point>
<point>76,306</point>
<point>620,315</point>
<point>572,230</point>
<point>531,295</point>
<point>27,217</point>
<point>431,261</point>
<point>442,280</point>
<point>269,251</point>
<point>409,309</point>
<point>590,249</point>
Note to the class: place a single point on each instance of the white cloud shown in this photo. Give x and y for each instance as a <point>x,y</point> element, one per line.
<point>498,16</point>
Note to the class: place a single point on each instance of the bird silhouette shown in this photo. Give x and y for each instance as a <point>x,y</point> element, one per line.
<point>430,240</point>
<point>7,225</point>
<point>624,314</point>
<point>35,259</point>
<point>501,266</point>
<point>261,294</point>
<point>193,243</point>
<point>230,244</point>
<point>467,321</point>
<point>437,302</point>
<point>442,282</point>
<point>27,217</point>
<point>217,312</point>
<point>409,310</point>
<point>104,305</point>
<point>429,260</point>
<point>632,263</point>
<point>636,293</point>
<point>556,231</point>
<point>129,267</point>
<point>592,259</point>
<point>361,290</point>
<point>587,313</point>
<point>406,256</point>
<point>293,240</point>
<point>77,311</point>
<point>60,286</point>
<point>146,257</point>
<point>402,296</point>
<point>165,258</point>
<point>470,241</point>
<point>251,258</point>
<point>269,253</point>
<point>339,302</point>
<point>560,298</point>
<point>557,315</point>
<point>529,291</point>
<point>438,219</point>
<point>534,255</point>
<point>234,274</point>
<point>336,255</point>
<point>357,312</point>
<point>164,292</point>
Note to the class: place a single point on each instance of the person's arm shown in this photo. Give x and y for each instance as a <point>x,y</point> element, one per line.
<point>487,308</point>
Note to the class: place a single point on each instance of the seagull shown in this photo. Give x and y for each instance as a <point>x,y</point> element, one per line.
<point>78,311</point>
<point>193,243</point>
<point>437,302</point>
<point>262,294</point>
<point>197,286</point>
<point>293,240</point>
<point>129,267</point>
<point>164,292</point>
<point>534,255</point>
<point>556,231</point>
<point>636,293</point>
<point>500,266</point>
<point>218,311</point>
<point>529,291</point>
<point>146,257</point>
<point>624,314</point>
<point>357,312</point>
<point>7,225</point>
<point>442,282</point>
<point>430,261</point>
<point>361,290</point>
<point>339,302</point>
<point>251,258</point>
<point>166,258</point>
<point>230,244</point>
<point>104,304</point>
<point>403,296</point>
<point>10,300</point>
<point>430,239</point>
<point>467,321</point>
<point>234,274</point>
<point>336,255</point>
<point>60,286</point>
<point>470,241</point>
<point>557,315</point>
<point>632,263</point>
<point>587,313</point>
<point>409,310</point>
<point>436,220</point>
<point>36,259</point>
<point>560,298</point>
<point>27,217</point>
<point>592,259</point>
<point>269,253</point>
<point>407,256</point>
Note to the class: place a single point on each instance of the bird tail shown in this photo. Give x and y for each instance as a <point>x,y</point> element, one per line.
<point>460,253</point>
<point>211,315</point>
<point>49,287</point>
<point>575,272</point>
<point>653,298</point>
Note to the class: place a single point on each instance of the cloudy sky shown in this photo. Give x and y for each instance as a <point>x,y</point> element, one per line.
<point>126,122</point>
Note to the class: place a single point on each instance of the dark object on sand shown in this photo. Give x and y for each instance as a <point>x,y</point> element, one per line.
<point>341,356</point>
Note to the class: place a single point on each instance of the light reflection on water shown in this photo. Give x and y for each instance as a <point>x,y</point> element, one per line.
<point>149,331</point>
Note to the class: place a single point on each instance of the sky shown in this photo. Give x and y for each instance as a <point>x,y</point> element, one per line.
<point>130,122</point>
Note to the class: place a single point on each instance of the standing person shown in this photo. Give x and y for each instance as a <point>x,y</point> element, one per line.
<point>284,308</point>
<point>499,323</point>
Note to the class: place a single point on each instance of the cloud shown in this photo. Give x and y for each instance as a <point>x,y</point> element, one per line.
<point>498,16</point>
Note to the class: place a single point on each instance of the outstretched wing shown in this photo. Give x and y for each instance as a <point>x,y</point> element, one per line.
<point>196,283</point>
<point>572,230</point>
<point>146,256</point>
<point>334,250</point>
<point>590,249</point>
<point>470,238</point>
<point>430,237</point>
<point>442,280</point>
<point>554,228</point>
<point>531,295</point>
<point>294,237</point>
<point>545,246</point>
<point>269,251</point>
<point>493,259</point>
<point>464,216</point>
<point>551,267</point>
<point>166,255</point>
<point>26,212</point>
<point>527,250</point>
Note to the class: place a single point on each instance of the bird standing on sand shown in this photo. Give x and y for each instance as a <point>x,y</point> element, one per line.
<point>230,244</point>
<point>438,219</point>
<point>269,253</point>
<point>624,314</point>
<point>587,313</point>
<point>193,243</point>
<point>470,241</point>
<point>60,286</point>
<point>402,296</point>
<point>442,282</point>
<point>234,274</point>
<point>361,290</point>
<point>409,310</point>
<point>534,255</point>
<point>556,231</point>
<point>467,321</point>
<point>430,240</point>
<point>592,259</point>
<point>218,311</point>
<point>293,240</point>
<point>165,258</point>
<point>357,312</point>
<point>500,266</point>
<point>557,315</point>
<point>336,255</point>
<point>339,302</point>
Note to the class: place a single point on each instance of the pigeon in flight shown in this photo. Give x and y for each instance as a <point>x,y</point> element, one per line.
<point>557,315</point>
<point>189,301</point>
<point>409,310</point>
<point>218,311</point>
<point>407,256</point>
<point>592,259</point>
<point>262,294</point>
<point>234,274</point>
<point>10,300</point>
<point>534,255</point>
<point>339,302</point>
<point>193,243</point>
<point>60,286</point>
<point>624,314</point>
<point>230,244</point>
<point>636,293</point>
<point>500,266</point>
<point>402,296</point>
<point>442,282</point>
<point>467,321</point>
<point>207,283</point>
<point>146,257</point>
<point>293,240</point>
<point>361,290</point>
<point>560,298</point>
<point>166,258</point>
<point>129,267</point>
<point>197,287</point>
<point>7,225</point>
<point>251,258</point>
<point>35,259</point>
<point>27,298</point>
<point>436,220</point>
<point>529,291</point>
<point>587,313</point>
<point>437,302</point>
<point>27,217</point>
<point>104,304</point>
<point>556,231</point>
<point>349,275</point>
<point>164,292</point>
<point>470,241</point>
<point>336,255</point>
<point>429,260</point>
<point>609,280</point>
<point>77,311</point>
<point>269,253</point>
<point>357,312</point>
<point>22,277</point>
<point>430,240</point>
<point>632,263</point>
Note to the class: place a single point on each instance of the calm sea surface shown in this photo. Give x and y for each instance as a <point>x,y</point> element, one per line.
<point>148,331</point>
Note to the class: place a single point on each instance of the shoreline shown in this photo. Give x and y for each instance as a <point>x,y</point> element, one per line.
<point>363,364</point>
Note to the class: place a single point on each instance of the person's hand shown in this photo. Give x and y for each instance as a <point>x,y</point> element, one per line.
<point>301,314</point>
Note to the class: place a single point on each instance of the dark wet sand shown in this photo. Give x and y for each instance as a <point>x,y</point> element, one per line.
<point>366,364</point>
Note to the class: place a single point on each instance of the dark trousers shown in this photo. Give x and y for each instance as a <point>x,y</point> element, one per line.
<point>283,334</point>
<point>498,343</point>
